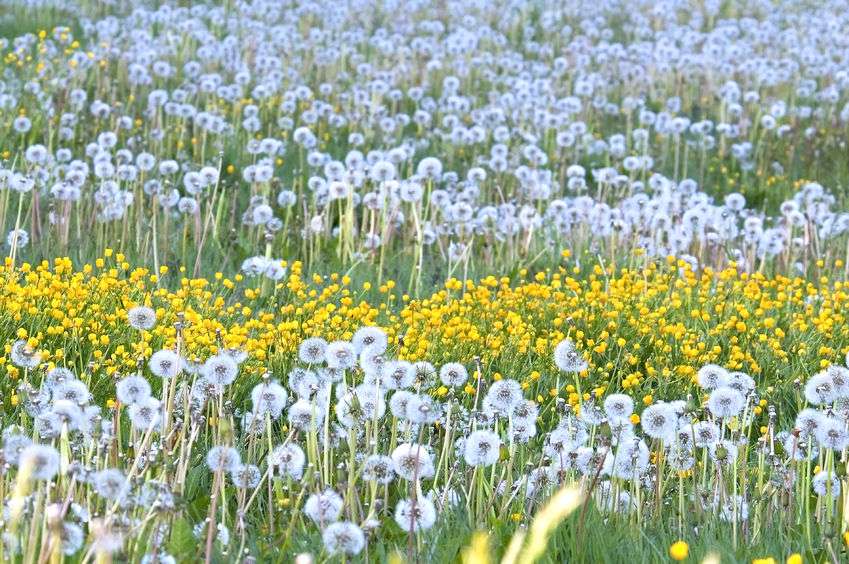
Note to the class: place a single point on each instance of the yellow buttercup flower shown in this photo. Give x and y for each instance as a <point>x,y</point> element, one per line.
<point>679,550</point>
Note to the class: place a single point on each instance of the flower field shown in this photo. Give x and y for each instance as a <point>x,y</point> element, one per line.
<point>642,330</point>
<point>400,281</point>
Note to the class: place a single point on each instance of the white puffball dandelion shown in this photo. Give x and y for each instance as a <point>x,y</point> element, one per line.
<point>370,402</point>
<point>591,414</point>
<point>659,421</point>
<point>69,413</point>
<point>372,364</point>
<point>141,317</point>
<point>567,358</point>
<point>72,390</point>
<point>223,459</point>
<point>17,238</point>
<point>839,377</point>
<point>453,374</point>
<point>109,483</point>
<point>340,355</point>
<point>726,402</point>
<point>58,375</point>
<point>618,406</point>
<point>13,445</point>
<point>165,364</point>
<point>372,338</point>
<point>504,395</point>
<point>429,167</point>
<point>831,433</point>
<point>269,397</point>
<point>343,537</point>
<point>808,421</point>
<point>705,434</point>
<point>819,390</point>
<point>712,377</point>
<point>398,374</point>
<point>526,410</point>
<point>324,507</point>
<point>741,382</point>
<point>311,351</point>
<point>245,476</point>
<point>423,409</point>
<point>145,414</point>
<point>415,514</point>
<point>73,538</point>
<point>826,483</point>
<point>398,403</point>
<point>132,389</point>
<point>412,461</point>
<point>220,370</point>
<point>305,416</point>
<point>378,468</point>
<point>42,460</point>
<point>24,356</point>
<point>482,448</point>
<point>289,459</point>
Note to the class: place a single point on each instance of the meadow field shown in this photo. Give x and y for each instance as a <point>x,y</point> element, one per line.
<point>406,281</point>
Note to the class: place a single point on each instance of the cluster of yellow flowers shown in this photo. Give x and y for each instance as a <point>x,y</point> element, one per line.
<point>646,330</point>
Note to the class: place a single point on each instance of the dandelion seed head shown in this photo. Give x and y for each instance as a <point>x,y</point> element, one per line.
<point>289,458</point>
<point>726,402</point>
<point>423,409</point>
<point>324,507</point>
<point>712,377</point>
<point>831,434</point>
<point>398,374</point>
<point>378,468</point>
<point>809,420</point>
<point>42,460</point>
<point>145,414</point>
<point>415,514</point>
<point>826,483</point>
<point>482,448</point>
<point>13,444</point>
<point>73,538</point>
<point>705,434</point>
<point>398,403</point>
<point>371,338</point>
<point>305,416</point>
<point>591,414</point>
<point>58,375</point>
<point>269,397</point>
<point>618,406</point>
<point>412,461</point>
<point>343,537</point>
<point>567,358</point>
<point>312,350</point>
<point>220,370</point>
<point>110,483</point>
<point>72,390</point>
<point>659,421</point>
<point>141,318</point>
<point>819,390</point>
<point>453,374</point>
<point>222,459</point>
<point>24,356</point>
<point>340,355</point>
<point>245,476</point>
<point>504,395</point>
<point>165,364</point>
